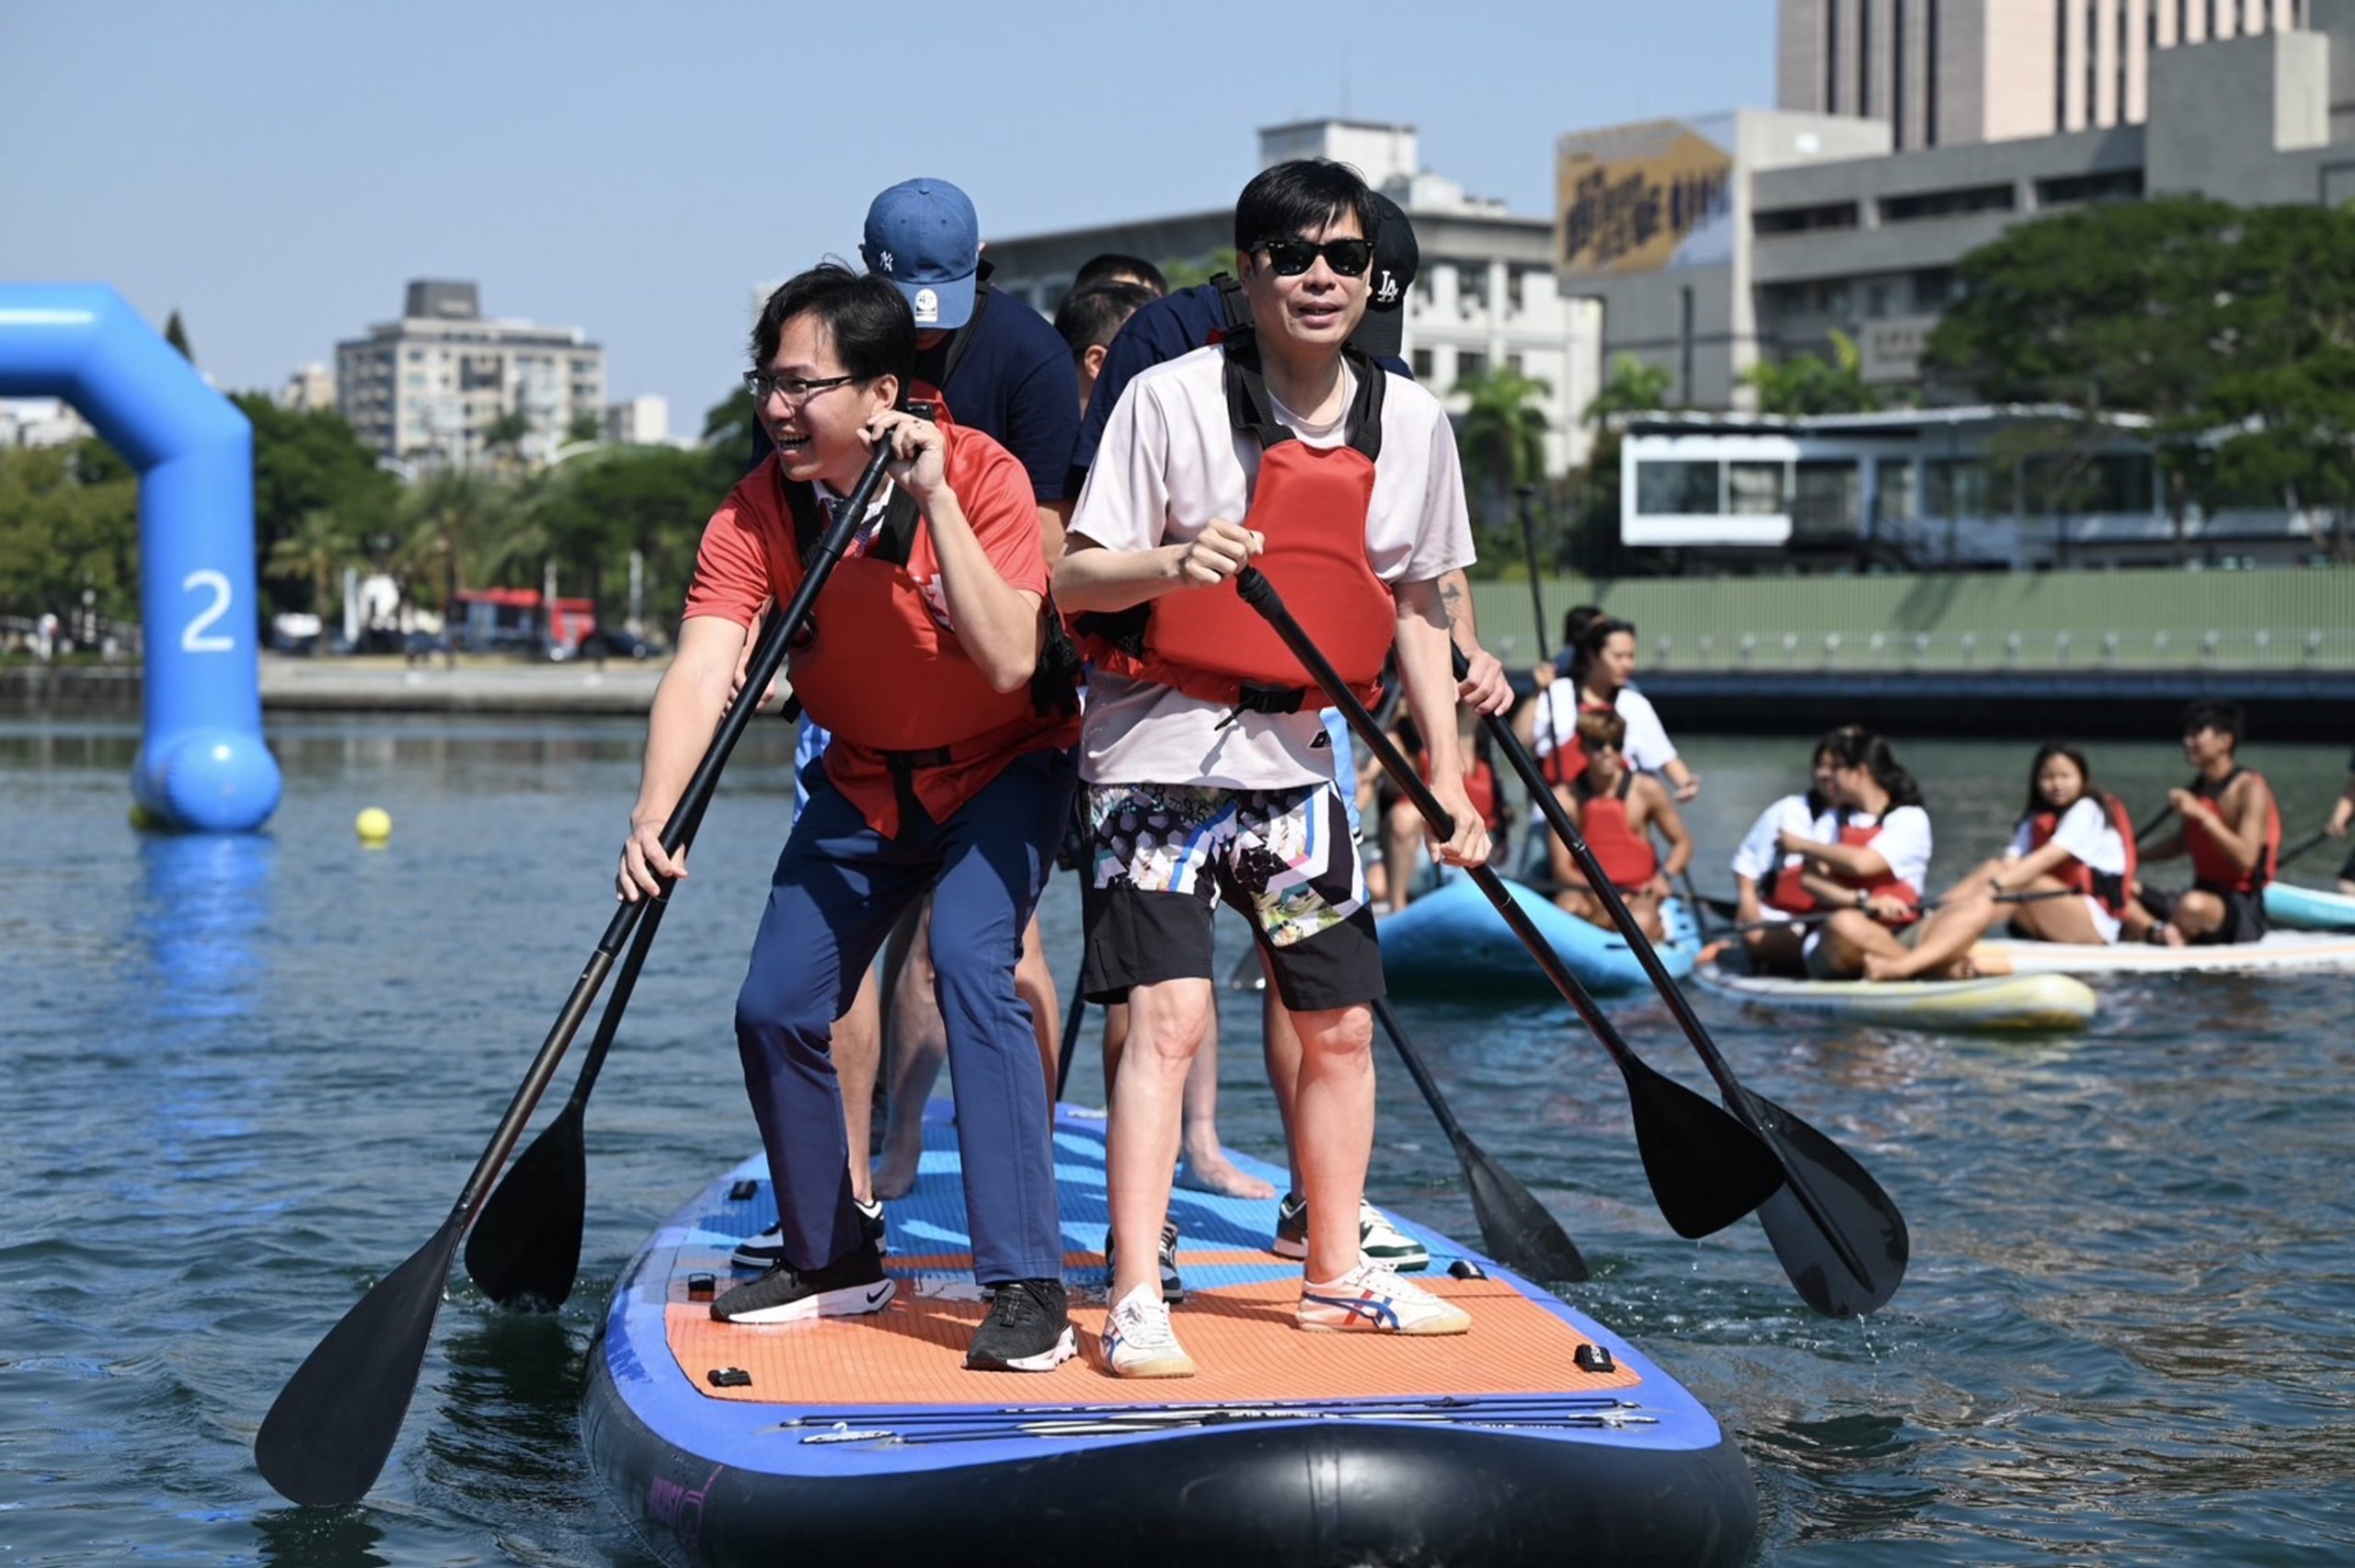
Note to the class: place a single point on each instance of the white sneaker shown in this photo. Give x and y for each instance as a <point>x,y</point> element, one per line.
<point>1371,1299</point>
<point>767,1248</point>
<point>1138,1342</point>
<point>1377,1238</point>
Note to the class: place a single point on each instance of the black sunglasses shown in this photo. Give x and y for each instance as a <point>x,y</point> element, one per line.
<point>1290,257</point>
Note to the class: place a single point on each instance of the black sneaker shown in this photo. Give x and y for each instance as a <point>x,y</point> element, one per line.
<point>851,1285</point>
<point>767,1248</point>
<point>1029,1330</point>
<point>1173,1289</point>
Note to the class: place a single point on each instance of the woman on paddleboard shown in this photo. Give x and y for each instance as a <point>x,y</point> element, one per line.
<point>1866,859</point>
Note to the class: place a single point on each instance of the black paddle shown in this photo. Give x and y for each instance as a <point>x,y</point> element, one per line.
<point>1841,1238</point>
<point>327,1436</point>
<point>1537,591</point>
<point>1706,1170</point>
<point>2301,848</point>
<point>1812,916</point>
<point>1514,1227</point>
<point>1071,1016</point>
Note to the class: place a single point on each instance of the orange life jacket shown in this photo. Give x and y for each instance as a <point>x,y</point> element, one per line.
<point>1625,855</point>
<point>1566,761</point>
<point>914,718</point>
<point>1888,886</point>
<point>2214,870</point>
<point>1479,788</point>
<point>1311,504</point>
<point>2104,887</point>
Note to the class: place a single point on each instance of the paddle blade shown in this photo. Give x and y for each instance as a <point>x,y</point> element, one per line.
<point>1854,1205</point>
<point>324,1441</point>
<point>1515,1227</point>
<point>1707,1169</point>
<point>526,1249</point>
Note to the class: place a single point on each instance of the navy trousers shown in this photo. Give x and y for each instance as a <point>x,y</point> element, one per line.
<point>839,888</point>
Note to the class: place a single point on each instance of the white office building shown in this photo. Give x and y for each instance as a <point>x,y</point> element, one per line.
<point>428,387</point>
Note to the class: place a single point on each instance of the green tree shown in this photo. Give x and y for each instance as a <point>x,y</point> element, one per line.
<point>310,461</point>
<point>652,499</point>
<point>1185,271</point>
<point>503,438</point>
<point>448,517</point>
<point>62,535</point>
<point>1634,386</point>
<point>1501,436</point>
<point>1807,384</point>
<point>176,336</point>
<point>585,427</point>
<point>314,556</point>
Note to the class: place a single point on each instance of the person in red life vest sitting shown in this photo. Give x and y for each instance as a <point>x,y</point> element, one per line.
<point>1402,825</point>
<point>929,658</point>
<point>1866,859</point>
<point>1209,773</point>
<point>1616,810</point>
<point>2073,838</point>
<point>2230,826</point>
<point>1769,881</point>
<point>1602,652</point>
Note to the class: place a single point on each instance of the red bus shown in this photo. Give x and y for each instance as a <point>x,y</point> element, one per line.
<point>492,618</point>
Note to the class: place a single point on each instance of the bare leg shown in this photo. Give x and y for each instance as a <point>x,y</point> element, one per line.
<point>1280,1031</point>
<point>1848,937</point>
<point>2059,920</point>
<point>1035,984</point>
<point>919,1045</point>
<point>1166,1022</point>
<point>1115,1039</point>
<point>1965,913</point>
<point>1202,1162</point>
<point>2197,914</point>
<point>1334,1135</point>
<point>1776,950</point>
<point>858,1051</point>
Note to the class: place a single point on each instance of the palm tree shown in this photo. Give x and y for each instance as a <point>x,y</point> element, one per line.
<point>1501,432</point>
<point>320,546</point>
<point>451,517</point>
<point>1634,386</point>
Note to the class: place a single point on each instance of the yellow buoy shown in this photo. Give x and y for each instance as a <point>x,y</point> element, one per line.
<point>144,820</point>
<point>375,825</point>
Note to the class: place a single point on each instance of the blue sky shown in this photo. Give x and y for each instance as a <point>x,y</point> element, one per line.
<point>278,171</point>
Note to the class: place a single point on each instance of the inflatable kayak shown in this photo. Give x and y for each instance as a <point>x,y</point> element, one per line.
<point>1540,1437</point>
<point>1453,938</point>
<point>2008,1002</point>
<point>2308,909</point>
<point>2280,950</point>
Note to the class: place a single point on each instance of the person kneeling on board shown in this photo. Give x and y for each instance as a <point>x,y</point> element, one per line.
<point>2230,826</point>
<point>1865,860</point>
<point>933,657</point>
<point>1209,773</point>
<point>2072,840</point>
<point>1617,809</point>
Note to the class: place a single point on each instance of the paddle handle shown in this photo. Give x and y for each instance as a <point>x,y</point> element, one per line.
<point>1735,1097</point>
<point>1260,595</point>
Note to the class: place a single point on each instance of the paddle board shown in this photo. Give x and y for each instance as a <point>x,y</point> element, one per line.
<point>1452,939</point>
<point>2308,909</point>
<point>2280,950</point>
<point>1540,1437</point>
<point>2010,1001</point>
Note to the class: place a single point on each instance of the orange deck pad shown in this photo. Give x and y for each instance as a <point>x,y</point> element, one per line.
<point>1241,1337</point>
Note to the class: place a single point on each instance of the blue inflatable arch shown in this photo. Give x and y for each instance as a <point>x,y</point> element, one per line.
<point>202,763</point>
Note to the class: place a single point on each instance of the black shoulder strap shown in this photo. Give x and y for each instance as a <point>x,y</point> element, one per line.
<point>892,543</point>
<point>1233,302</point>
<point>1365,409</point>
<point>1248,405</point>
<point>936,364</point>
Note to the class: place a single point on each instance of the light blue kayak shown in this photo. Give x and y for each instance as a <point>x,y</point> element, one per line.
<point>2308,909</point>
<point>1454,940</point>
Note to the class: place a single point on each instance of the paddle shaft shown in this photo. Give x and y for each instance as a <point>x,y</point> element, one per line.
<point>1737,1098</point>
<point>1071,1016</point>
<point>2297,850</point>
<point>1812,916</point>
<point>1536,590</point>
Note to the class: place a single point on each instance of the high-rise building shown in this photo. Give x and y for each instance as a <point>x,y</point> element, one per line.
<point>644,421</point>
<point>1943,72</point>
<point>307,387</point>
<point>430,386</point>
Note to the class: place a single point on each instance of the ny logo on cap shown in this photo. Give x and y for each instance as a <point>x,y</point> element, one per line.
<point>883,260</point>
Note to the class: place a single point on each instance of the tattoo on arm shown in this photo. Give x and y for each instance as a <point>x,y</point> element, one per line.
<point>1452,600</point>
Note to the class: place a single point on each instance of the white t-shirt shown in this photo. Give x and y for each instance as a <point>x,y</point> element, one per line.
<point>1903,840</point>
<point>1756,856</point>
<point>1171,460</point>
<point>1647,747</point>
<point>2087,833</point>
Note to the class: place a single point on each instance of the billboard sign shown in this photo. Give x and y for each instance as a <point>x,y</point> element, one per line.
<point>1641,198</point>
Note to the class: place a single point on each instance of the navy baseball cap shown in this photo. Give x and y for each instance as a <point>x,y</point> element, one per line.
<point>1387,283</point>
<point>921,235</point>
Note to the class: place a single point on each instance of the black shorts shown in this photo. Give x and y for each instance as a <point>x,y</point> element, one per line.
<point>2243,914</point>
<point>1161,856</point>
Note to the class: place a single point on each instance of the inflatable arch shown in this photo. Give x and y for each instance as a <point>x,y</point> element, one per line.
<point>202,763</point>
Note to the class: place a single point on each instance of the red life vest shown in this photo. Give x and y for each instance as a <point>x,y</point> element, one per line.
<point>914,718</point>
<point>1784,887</point>
<point>2214,870</point>
<point>1311,504</point>
<point>1566,761</point>
<point>2106,889</point>
<point>1625,855</point>
<point>1479,788</point>
<point>1888,886</point>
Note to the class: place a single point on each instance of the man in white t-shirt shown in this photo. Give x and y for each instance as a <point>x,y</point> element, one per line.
<point>1205,780</point>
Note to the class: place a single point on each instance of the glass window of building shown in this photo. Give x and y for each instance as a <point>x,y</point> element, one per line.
<point>1676,489</point>
<point>1827,497</point>
<point>1754,489</point>
<point>1470,364</point>
<point>1893,489</point>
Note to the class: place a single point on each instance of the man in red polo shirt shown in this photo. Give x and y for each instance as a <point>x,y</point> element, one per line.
<point>946,771</point>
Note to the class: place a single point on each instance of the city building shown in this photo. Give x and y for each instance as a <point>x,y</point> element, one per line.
<point>1711,244</point>
<point>428,386</point>
<point>1977,488</point>
<point>41,421</point>
<point>644,421</point>
<point>308,387</point>
<point>1484,295</point>
<point>1943,74</point>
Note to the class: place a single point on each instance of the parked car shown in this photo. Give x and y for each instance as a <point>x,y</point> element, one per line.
<point>612,642</point>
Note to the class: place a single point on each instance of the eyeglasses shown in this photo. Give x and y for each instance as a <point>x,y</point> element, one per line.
<point>1290,257</point>
<point>795,391</point>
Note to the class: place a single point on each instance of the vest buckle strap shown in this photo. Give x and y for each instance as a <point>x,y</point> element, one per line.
<point>1251,698</point>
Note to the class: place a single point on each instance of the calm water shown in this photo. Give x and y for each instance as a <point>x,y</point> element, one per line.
<point>243,1078</point>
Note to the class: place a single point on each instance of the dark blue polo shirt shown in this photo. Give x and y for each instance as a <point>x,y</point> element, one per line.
<point>1018,385</point>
